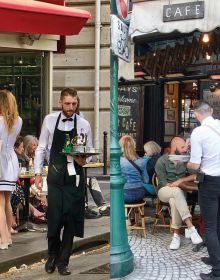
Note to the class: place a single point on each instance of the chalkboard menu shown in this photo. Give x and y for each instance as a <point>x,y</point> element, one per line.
<point>214,101</point>
<point>130,113</point>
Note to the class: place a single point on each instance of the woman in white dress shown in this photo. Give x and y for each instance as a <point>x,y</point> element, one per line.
<point>10,126</point>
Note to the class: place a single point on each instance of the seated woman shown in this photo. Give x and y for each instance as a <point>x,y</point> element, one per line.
<point>17,196</point>
<point>133,170</point>
<point>152,152</point>
<point>39,202</point>
<point>30,146</point>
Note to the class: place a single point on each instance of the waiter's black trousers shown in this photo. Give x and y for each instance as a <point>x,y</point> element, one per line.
<point>209,200</point>
<point>61,249</point>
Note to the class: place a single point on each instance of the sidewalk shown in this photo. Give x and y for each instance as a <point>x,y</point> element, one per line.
<point>30,247</point>
<point>153,260</point>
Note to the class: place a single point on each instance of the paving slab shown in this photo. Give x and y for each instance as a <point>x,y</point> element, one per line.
<point>78,266</point>
<point>29,247</point>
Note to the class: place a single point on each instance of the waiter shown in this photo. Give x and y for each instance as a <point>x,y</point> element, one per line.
<point>205,155</point>
<point>65,179</point>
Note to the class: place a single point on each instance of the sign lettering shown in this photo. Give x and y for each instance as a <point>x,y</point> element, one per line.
<point>120,43</point>
<point>129,121</point>
<point>191,10</point>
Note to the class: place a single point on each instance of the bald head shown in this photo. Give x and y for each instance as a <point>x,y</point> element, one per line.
<point>178,146</point>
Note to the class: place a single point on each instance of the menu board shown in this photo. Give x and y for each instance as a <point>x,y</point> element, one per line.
<point>130,113</point>
<point>214,101</point>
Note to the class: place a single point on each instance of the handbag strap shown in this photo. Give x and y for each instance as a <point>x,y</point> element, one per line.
<point>136,166</point>
<point>213,129</point>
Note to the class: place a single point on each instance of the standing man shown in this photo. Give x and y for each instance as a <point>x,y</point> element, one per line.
<point>65,178</point>
<point>205,155</point>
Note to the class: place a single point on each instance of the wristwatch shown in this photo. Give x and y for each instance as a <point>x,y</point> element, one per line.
<point>38,174</point>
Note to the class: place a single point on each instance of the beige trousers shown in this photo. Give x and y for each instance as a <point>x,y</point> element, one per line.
<point>179,208</point>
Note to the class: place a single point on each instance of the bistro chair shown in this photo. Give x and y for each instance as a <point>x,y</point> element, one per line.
<point>161,209</point>
<point>138,211</point>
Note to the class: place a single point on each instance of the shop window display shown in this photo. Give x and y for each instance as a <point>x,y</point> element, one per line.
<point>22,73</point>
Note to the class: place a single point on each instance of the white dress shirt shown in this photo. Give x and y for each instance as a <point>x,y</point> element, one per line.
<point>205,147</point>
<point>47,132</point>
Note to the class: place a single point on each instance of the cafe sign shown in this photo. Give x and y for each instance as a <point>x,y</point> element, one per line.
<point>120,43</point>
<point>183,11</point>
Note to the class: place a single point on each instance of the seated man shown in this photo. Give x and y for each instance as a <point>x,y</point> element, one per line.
<point>96,193</point>
<point>171,177</point>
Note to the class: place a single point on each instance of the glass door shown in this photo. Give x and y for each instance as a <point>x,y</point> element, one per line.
<point>22,73</point>
<point>189,96</point>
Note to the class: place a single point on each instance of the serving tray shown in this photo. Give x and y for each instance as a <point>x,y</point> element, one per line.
<point>77,153</point>
<point>182,158</point>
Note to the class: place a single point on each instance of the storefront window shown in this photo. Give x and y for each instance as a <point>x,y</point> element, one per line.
<point>22,73</point>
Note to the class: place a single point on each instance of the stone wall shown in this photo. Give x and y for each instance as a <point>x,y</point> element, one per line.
<point>76,68</point>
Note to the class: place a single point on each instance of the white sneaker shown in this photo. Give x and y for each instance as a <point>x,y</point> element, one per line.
<point>175,243</point>
<point>195,237</point>
<point>187,233</point>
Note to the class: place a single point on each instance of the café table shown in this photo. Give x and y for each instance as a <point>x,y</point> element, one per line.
<point>89,213</point>
<point>27,225</point>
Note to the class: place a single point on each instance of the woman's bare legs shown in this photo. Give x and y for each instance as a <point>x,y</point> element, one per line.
<point>34,212</point>
<point>14,221</point>
<point>8,213</point>
<point>3,221</point>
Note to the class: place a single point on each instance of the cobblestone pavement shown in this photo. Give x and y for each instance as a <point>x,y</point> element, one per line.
<point>155,261</point>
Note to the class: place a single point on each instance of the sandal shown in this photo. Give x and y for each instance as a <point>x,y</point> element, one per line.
<point>13,231</point>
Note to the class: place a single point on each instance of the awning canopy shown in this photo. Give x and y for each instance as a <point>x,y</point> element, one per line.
<point>28,16</point>
<point>147,18</point>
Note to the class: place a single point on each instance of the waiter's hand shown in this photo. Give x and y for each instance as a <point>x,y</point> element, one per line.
<point>81,160</point>
<point>38,181</point>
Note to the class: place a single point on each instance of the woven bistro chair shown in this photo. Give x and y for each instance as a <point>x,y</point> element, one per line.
<point>138,211</point>
<point>161,209</point>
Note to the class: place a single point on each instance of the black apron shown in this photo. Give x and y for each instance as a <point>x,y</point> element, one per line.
<point>66,201</point>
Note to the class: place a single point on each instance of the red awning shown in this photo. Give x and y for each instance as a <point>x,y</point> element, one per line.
<point>28,16</point>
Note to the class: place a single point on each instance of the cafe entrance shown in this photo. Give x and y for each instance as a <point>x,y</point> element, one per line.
<point>25,75</point>
<point>181,66</point>
<point>177,48</point>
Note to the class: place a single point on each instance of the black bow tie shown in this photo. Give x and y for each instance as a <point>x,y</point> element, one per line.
<point>68,119</point>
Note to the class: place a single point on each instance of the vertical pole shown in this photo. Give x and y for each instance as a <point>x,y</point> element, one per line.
<point>97,73</point>
<point>121,257</point>
<point>105,152</point>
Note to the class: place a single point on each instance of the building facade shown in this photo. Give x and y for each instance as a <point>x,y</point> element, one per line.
<point>33,67</point>
<point>176,54</point>
<point>76,68</point>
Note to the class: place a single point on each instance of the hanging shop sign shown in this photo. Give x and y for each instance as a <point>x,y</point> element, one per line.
<point>122,8</point>
<point>183,11</point>
<point>120,43</point>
